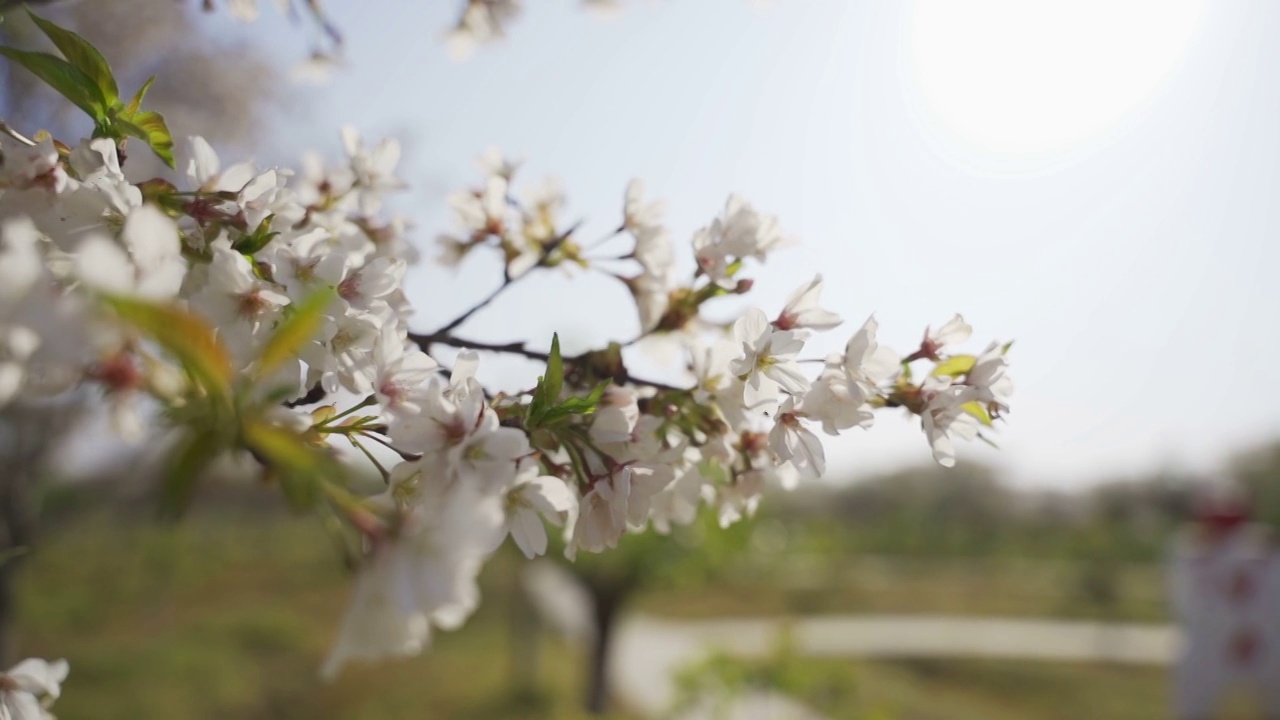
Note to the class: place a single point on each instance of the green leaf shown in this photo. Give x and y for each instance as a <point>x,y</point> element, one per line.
<point>185,336</point>
<point>295,331</point>
<point>1004,350</point>
<point>554,379</point>
<point>549,386</point>
<point>64,77</point>
<point>575,405</point>
<point>954,366</point>
<point>82,55</point>
<point>301,468</point>
<point>253,242</point>
<point>189,458</point>
<point>135,104</point>
<point>976,409</point>
<point>149,126</point>
<point>157,190</point>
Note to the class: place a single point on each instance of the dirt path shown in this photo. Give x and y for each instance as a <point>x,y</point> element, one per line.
<point>649,650</point>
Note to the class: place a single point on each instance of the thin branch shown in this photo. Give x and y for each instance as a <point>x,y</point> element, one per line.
<point>520,349</point>
<point>512,348</point>
<point>508,281</point>
<point>314,395</point>
<point>606,239</point>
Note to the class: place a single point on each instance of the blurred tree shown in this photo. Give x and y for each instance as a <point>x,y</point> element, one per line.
<point>689,555</point>
<point>206,89</point>
<point>1258,470</point>
<point>221,90</point>
<point>27,433</point>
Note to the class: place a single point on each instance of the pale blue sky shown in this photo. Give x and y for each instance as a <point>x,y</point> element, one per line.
<point>1093,180</point>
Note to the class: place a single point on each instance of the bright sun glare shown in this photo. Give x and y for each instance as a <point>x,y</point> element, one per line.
<point>1031,78</point>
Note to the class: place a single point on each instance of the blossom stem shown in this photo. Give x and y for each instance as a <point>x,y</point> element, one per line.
<point>8,130</point>
<point>404,455</point>
<point>579,463</point>
<point>606,239</point>
<point>386,476</point>
<point>354,508</point>
<point>362,404</point>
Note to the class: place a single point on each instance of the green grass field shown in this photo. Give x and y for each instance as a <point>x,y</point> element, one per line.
<point>227,616</point>
<point>230,613</point>
<point>968,690</point>
<point>959,586</point>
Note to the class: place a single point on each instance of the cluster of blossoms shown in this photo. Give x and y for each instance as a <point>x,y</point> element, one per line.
<point>479,22</point>
<point>485,21</point>
<point>263,312</point>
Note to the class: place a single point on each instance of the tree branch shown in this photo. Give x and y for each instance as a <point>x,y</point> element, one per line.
<point>519,348</point>
<point>508,281</point>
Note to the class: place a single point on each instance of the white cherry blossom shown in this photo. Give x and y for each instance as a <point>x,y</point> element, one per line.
<point>768,363</point>
<point>28,688</point>
<point>795,443</point>
<point>802,310</point>
<point>989,377</point>
<point>953,332</point>
<point>944,419</point>
<point>638,216</point>
<point>149,265</point>
<point>373,169</point>
<point>529,502</point>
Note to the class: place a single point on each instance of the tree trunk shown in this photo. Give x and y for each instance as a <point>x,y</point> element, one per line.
<point>524,634</point>
<point>15,537</point>
<point>27,435</point>
<point>607,601</point>
<point>22,447</point>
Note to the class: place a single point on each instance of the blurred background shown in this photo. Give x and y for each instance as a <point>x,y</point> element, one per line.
<point>1092,179</point>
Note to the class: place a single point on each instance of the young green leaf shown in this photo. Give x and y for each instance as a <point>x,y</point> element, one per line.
<point>251,243</point>
<point>578,405</point>
<point>976,409</point>
<point>149,126</point>
<point>300,468</point>
<point>135,104</point>
<point>188,458</point>
<point>64,77</point>
<point>185,336</point>
<point>549,385</point>
<point>296,330</point>
<point>553,382</point>
<point>82,55</point>
<point>954,366</point>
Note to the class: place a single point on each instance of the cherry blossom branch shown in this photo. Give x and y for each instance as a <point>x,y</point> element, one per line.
<point>508,281</point>
<point>443,338</point>
<point>519,348</point>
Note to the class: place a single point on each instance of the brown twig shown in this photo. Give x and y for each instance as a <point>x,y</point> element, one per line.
<point>520,349</point>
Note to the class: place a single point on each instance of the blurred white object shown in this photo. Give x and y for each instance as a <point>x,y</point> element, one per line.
<point>1225,592</point>
<point>559,598</point>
